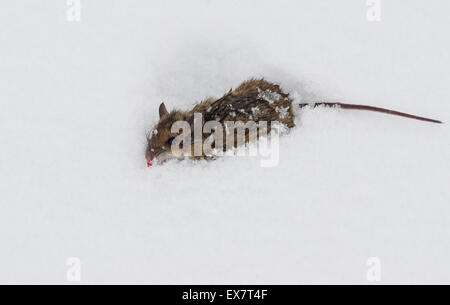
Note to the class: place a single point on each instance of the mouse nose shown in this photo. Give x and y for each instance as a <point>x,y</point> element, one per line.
<point>151,155</point>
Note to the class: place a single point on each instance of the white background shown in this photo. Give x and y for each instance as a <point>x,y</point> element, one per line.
<point>77,98</point>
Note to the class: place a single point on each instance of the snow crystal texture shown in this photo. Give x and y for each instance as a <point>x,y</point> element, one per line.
<point>77,99</point>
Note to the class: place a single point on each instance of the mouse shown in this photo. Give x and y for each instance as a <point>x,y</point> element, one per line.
<point>254,100</point>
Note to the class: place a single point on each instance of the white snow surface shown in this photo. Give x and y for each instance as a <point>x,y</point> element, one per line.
<point>77,99</point>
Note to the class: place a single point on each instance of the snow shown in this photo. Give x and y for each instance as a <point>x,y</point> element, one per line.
<point>284,112</point>
<point>268,96</point>
<point>78,98</point>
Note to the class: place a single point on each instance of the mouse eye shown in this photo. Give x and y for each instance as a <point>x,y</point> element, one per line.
<point>170,140</point>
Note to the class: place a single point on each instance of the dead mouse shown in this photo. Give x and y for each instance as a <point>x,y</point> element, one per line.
<point>254,100</point>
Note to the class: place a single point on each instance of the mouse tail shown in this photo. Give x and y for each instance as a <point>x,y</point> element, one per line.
<point>371,108</point>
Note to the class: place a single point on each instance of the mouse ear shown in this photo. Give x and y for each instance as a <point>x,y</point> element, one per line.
<point>162,110</point>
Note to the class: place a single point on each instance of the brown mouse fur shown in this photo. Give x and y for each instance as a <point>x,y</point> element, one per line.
<point>253,100</point>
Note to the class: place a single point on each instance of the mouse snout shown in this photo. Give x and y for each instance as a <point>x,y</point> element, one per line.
<point>152,154</point>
